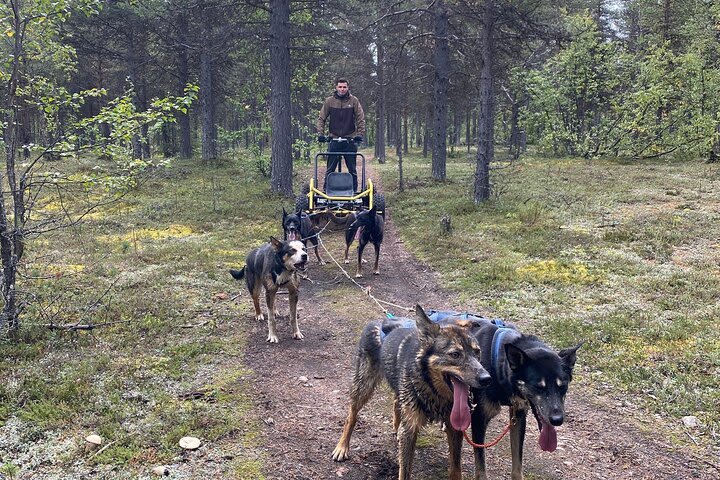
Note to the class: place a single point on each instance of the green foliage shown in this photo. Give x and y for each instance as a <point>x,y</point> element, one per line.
<point>666,110</point>
<point>573,90</point>
<point>597,98</point>
<point>9,469</point>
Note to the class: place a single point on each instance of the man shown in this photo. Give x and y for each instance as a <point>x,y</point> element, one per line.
<point>347,120</point>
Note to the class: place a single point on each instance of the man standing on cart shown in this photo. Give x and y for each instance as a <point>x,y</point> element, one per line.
<point>347,120</point>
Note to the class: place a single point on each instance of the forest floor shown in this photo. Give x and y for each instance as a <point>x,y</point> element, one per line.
<point>186,356</point>
<point>302,386</point>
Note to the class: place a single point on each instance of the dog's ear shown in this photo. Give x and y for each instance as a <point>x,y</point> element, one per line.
<point>427,327</point>
<point>284,213</point>
<point>516,357</point>
<point>275,243</point>
<point>569,355</point>
<point>299,212</point>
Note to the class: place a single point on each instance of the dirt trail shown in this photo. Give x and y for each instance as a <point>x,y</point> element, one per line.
<point>301,393</point>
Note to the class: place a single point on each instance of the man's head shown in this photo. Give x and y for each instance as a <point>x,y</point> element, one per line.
<point>341,87</point>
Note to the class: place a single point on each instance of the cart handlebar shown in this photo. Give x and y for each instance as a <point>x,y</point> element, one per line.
<point>338,139</point>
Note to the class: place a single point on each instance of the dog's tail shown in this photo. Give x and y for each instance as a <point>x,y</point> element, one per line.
<point>238,274</point>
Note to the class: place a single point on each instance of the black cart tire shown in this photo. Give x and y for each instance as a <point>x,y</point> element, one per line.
<point>379,203</point>
<point>302,202</point>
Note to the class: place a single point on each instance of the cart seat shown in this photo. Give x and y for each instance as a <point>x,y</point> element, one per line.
<point>339,184</point>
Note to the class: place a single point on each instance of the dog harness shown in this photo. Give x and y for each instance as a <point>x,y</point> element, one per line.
<point>406,323</point>
<point>499,366</point>
<point>434,315</point>
<point>438,315</point>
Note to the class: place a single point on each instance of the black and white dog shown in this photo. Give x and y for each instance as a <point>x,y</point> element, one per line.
<point>367,227</point>
<point>299,226</point>
<point>527,376</point>
<point>274,266</point>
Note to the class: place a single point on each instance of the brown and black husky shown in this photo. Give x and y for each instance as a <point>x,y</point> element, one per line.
<point>274,266</point>
<point>431,370</point>
<point>367,227</point>
<point>527,376</point>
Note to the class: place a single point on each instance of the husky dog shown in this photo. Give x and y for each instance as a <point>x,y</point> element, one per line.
<point>299,226</point>
<point>368,227</point>
<point>431,369</point>
<point>527,375</point>
<point>274,266</point>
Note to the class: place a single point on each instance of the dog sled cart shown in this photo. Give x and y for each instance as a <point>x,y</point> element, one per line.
<point>337,196</point>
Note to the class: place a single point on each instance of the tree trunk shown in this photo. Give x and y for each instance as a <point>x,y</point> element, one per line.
<point>183,79</point>
<point>456,128</point>
<point>442,70</point>
<point>207,102</point>
<point>486,112</point>
<point>390,132</point>
<point>405,133</point>
<point>468,115</point>
<point>380,105</point>
<point>417,136</point>
<point>401,183</point>
<point>144,129</point>
<point>633,16</point>
<point>137,64</point>
<point>426,135</point>
<point>11,235</point>
<point>281,164</point>
<point>515,128</point>
<point>714,156</point>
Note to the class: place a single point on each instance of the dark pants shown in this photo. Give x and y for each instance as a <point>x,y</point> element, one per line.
<point>333,161</point>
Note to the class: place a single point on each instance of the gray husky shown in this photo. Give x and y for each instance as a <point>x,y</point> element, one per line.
<point>430,368</point>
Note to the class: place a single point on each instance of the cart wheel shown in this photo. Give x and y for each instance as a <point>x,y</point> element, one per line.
<point>302,202</point>
<point>379,203</point>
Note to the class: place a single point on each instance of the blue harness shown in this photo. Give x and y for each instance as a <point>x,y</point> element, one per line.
<point>503,332</point>
<point>437,316</point>
<point>407,323</point>
<point>497,341</point>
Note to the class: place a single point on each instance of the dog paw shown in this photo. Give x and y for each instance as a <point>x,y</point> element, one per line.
<point>298,336</point>
<point>322,262</point>
<point>364,261</point>
<point>277,313</point>
<point>358,275</point>
<point>346,261</point>
<point>272,338</point>
<point>376,272</point>
<point>340,454</point>
<point>260,317</point>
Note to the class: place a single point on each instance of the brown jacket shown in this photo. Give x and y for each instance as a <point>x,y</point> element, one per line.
<point>346,115</point>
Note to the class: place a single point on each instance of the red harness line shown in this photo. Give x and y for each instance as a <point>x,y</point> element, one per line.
<point>486,445</point>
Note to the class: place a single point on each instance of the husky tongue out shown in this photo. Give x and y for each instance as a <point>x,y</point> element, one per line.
<point>460,415</point>
<point>548,437</point>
